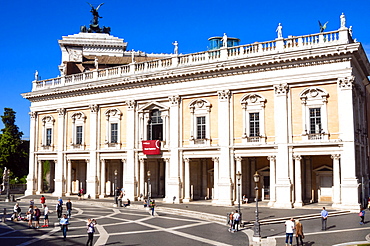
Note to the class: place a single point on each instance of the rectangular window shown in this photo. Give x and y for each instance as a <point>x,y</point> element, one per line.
<point>315,120</point>
<point>78,134</point>
<point>114,132</point>
<point>201,127</point>
<point>254,124</point>
<point>48,136</point>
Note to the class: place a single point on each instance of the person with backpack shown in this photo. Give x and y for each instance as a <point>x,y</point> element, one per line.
<point>90,231</point>
<point>37,214</point>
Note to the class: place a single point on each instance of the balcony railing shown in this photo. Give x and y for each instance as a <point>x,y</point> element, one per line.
<point>250,50</point>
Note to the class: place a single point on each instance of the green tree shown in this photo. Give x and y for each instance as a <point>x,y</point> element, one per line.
<point>13,150</point>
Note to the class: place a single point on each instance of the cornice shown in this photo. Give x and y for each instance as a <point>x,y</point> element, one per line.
<point>231,67</point>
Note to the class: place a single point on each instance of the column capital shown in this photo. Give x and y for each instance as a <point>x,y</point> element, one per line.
<point>271,158</point>
<point>215,159</point>
<point>61,111</point>
<point>346,82</point>
<point>130,104</point>
<point>281,89</point>
<point>174,100</point>
<point>94,108</point>
<point>297,157</point>
<point>223,95</point>
<point>33,114</point>
<point>335,157</point>
<point>238,158</point>
<point>187,160</point>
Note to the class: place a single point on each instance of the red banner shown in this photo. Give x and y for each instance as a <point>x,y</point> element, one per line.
<point>151,147</point>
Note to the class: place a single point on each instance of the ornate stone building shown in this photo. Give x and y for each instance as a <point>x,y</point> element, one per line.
<point>293,109</point>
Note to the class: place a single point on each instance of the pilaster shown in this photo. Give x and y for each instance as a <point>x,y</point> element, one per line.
<point>59,162</point>
<point>92,178</point>
<point>298,181</point>
<point>129,185</point>
<point>32,158</point>
<point>283,182</point>
<point>272,160</point>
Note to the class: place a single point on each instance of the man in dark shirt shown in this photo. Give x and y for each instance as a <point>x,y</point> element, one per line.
<point>69,208</point>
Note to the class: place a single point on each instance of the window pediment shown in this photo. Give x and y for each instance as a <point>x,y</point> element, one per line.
<point>313,93</point>
<point>198,104</point>
<point>152,105</point>
<point>78,116</point>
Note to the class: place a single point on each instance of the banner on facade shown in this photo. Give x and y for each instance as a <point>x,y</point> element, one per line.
<point>151,147</point>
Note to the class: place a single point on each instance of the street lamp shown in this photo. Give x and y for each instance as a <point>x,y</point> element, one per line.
<point>149,188</point>
<point>239,176</point>
<point>257,233</point>
<point>115,187</point>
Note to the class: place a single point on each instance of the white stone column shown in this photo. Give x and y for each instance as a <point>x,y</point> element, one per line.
<point>238,160</point>
<point>32,158</point>
<point>59,162</point>
<point>167,178</point>
<point>336,180</point>
<point>142,176</point>
<point>173,184</point>
<point>123,171</point>
<point>130,184</point>
<point>39,177</point>
<point>225,186</point>
<point>91,186</point>
<point>283,182</point>
<point>298,181</point>
<point>69,178</point>
<point>272,160</point>
<point>216,177</point>
<point>252,164</point>
<point>350,184</point>
<point>102,178</point>
<point>187,180</point>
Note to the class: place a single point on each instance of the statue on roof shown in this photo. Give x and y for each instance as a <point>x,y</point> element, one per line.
<point>94,23</point>
<point>342,21</point>
<point>279,31</point>
<point>323,27</point>
<point>96,16</point>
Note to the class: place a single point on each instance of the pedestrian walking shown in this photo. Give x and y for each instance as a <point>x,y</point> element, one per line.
<point>151,206</point>
<point>324,218</point>
<point>289,230</point>
<point>42,201</point>
<point>69,208</point>
<point>231,221</point>
<point>29,216</point>
<point>46,216</point>
<point>37,214</point>
<point>362,216</point>
<point>59,209</point>
<point>32,203</point>
<point>90,231</point>
<point>80,194</point>
<point>236,219</point>
<point>299,232</point>
<point>64,222</point>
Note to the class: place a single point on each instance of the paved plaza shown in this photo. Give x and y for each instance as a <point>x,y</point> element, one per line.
<point>178,224</point>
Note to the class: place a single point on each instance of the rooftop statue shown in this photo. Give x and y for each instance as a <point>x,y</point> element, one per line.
<point>96,16</point>
<point>323,27</point>
<point>94,23</point>
<point>279,31</point>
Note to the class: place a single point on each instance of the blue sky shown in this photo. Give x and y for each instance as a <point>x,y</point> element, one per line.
<point>30,30</point>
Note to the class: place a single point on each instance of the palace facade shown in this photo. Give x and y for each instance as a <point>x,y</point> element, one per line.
<point>294,110</point>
